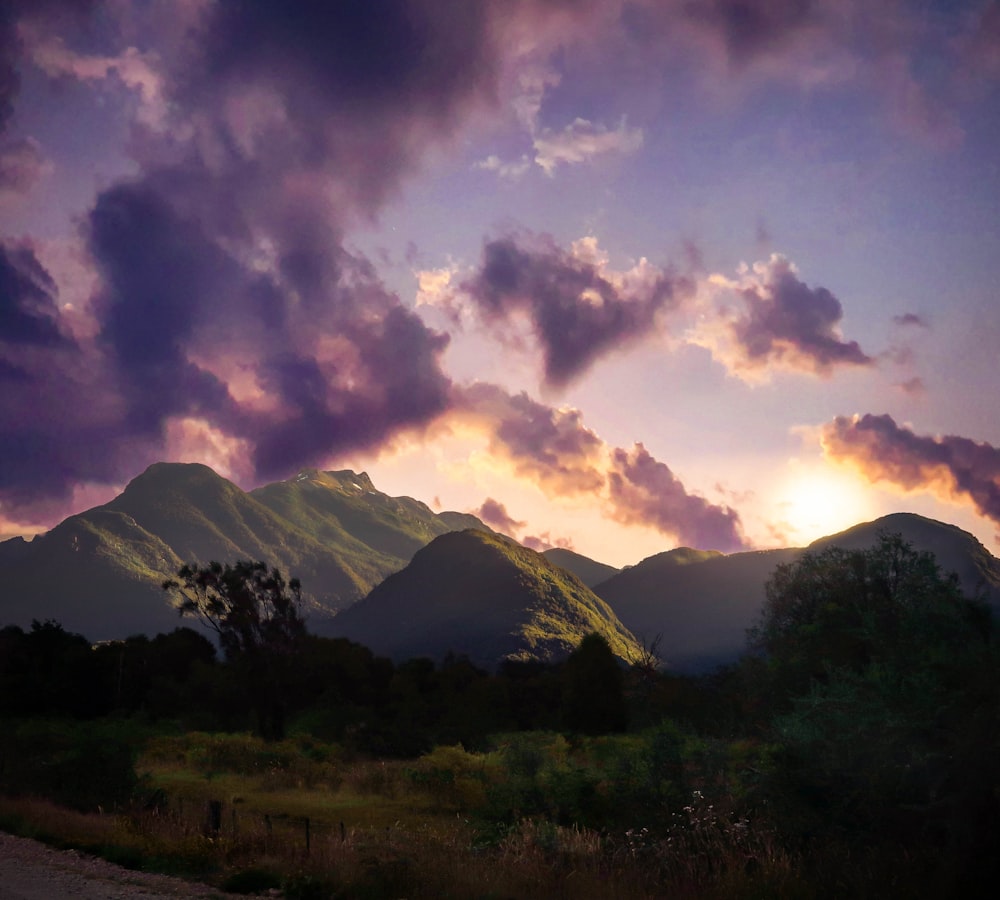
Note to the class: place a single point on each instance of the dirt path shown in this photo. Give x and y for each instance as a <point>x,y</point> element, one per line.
<point>31,871</point>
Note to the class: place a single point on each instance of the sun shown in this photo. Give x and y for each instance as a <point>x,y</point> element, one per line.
<point>816,501</point>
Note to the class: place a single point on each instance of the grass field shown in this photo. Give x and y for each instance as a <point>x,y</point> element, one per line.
<point>301,816</point>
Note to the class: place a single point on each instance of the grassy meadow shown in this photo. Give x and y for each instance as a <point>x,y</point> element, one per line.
<point>508,822</point>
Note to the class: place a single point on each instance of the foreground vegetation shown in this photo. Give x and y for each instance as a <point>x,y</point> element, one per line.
<point>853,753</point>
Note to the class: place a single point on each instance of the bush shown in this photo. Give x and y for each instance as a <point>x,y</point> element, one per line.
<point>84,767</point>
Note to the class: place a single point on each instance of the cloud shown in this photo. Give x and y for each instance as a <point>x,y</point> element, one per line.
<point>494,513</point>
<point>950,467</point>
<point>28,304</point>
<point>15,17</point>
<point>581,141</point>
<point>556,451</point>
<point>578,309</point>
<point>914,386</point>
<point>644,491</point>
<point>783,324</point>
<point>493,163</point>
<point>135,70</point>
<point>55,402</point>
<point>918,63</point>
<point>910,320</point>
<point>549,446</point>
<point>545,541</point>
<point>22,166</point>
<point>226,310</point>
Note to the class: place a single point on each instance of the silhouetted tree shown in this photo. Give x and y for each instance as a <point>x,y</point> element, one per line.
<point>257,618</point>
<point>888,701</point>
<point>594,688</point>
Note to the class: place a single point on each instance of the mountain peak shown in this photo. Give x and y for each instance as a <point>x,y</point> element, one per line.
<point>343,480</point>
<point>483,595</point>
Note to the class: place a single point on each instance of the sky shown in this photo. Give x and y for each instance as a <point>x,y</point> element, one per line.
<point>616,275</point>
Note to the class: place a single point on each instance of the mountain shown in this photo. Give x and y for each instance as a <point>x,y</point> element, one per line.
<point>955,550</point>
<point>701,603</point>
<point>588,570</point>
<point>467,589</point>
<point>485,596</point>
<point>99,572</point>
<point>698,603</point>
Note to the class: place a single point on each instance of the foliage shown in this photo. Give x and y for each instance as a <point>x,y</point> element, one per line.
<point>594,689</point>
<point>849,609</point>
<point>886,679</point>
<point>256,616</point>
<point>80,766</point>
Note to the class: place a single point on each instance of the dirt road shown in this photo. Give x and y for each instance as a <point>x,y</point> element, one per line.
<point>31,871</point>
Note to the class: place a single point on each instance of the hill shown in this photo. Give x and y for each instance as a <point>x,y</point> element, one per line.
<point>99,572</point>
<point>485,596</point>
<point>588,570</point>
<point>955,550</point>
<point>701,603</point>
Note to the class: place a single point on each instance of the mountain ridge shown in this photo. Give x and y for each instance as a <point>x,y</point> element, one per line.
<point>100,572</point>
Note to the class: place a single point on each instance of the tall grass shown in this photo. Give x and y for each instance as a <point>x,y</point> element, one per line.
<point>513,822</point>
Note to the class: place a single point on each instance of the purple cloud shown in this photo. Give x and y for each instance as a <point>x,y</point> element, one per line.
<point>28,302</point>
<point>643,491</point>
<point>550,446</point>
<point>950,467</point>
<point>788,323</point>
<point>576,312</point>
<point>553,448</point>
<point>494,513</point>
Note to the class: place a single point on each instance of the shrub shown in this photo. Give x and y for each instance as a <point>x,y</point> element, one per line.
<point>84,767</point>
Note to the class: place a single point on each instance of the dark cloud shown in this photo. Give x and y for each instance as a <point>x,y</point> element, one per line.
<point>54,399</point>
<point>494,513</point>
<point>577,314</point>
<point>399,385</point>
<point>10,50</point>
<point>176,304</point>
<point>909,319</point>
<point>789,323</point>
<point>950,467</point>
<point>643,491</point>
<point>28,301</point>
<point>754,28</point>
<point>553,448</point>
<point>550,446</point>
<point>225,294</point>
<point>355,89</point>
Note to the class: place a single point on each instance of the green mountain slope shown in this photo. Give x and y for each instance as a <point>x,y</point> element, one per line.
<point>588,570</point>
<point>484,596</point>
<point>100,572</point>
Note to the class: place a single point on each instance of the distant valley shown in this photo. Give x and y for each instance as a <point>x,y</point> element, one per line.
<point>406,581</point>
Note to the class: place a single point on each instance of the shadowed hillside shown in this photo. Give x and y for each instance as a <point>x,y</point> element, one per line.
<point>699,602</point>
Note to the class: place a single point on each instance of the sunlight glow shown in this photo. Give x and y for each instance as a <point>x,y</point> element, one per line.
<point>818,500</point>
